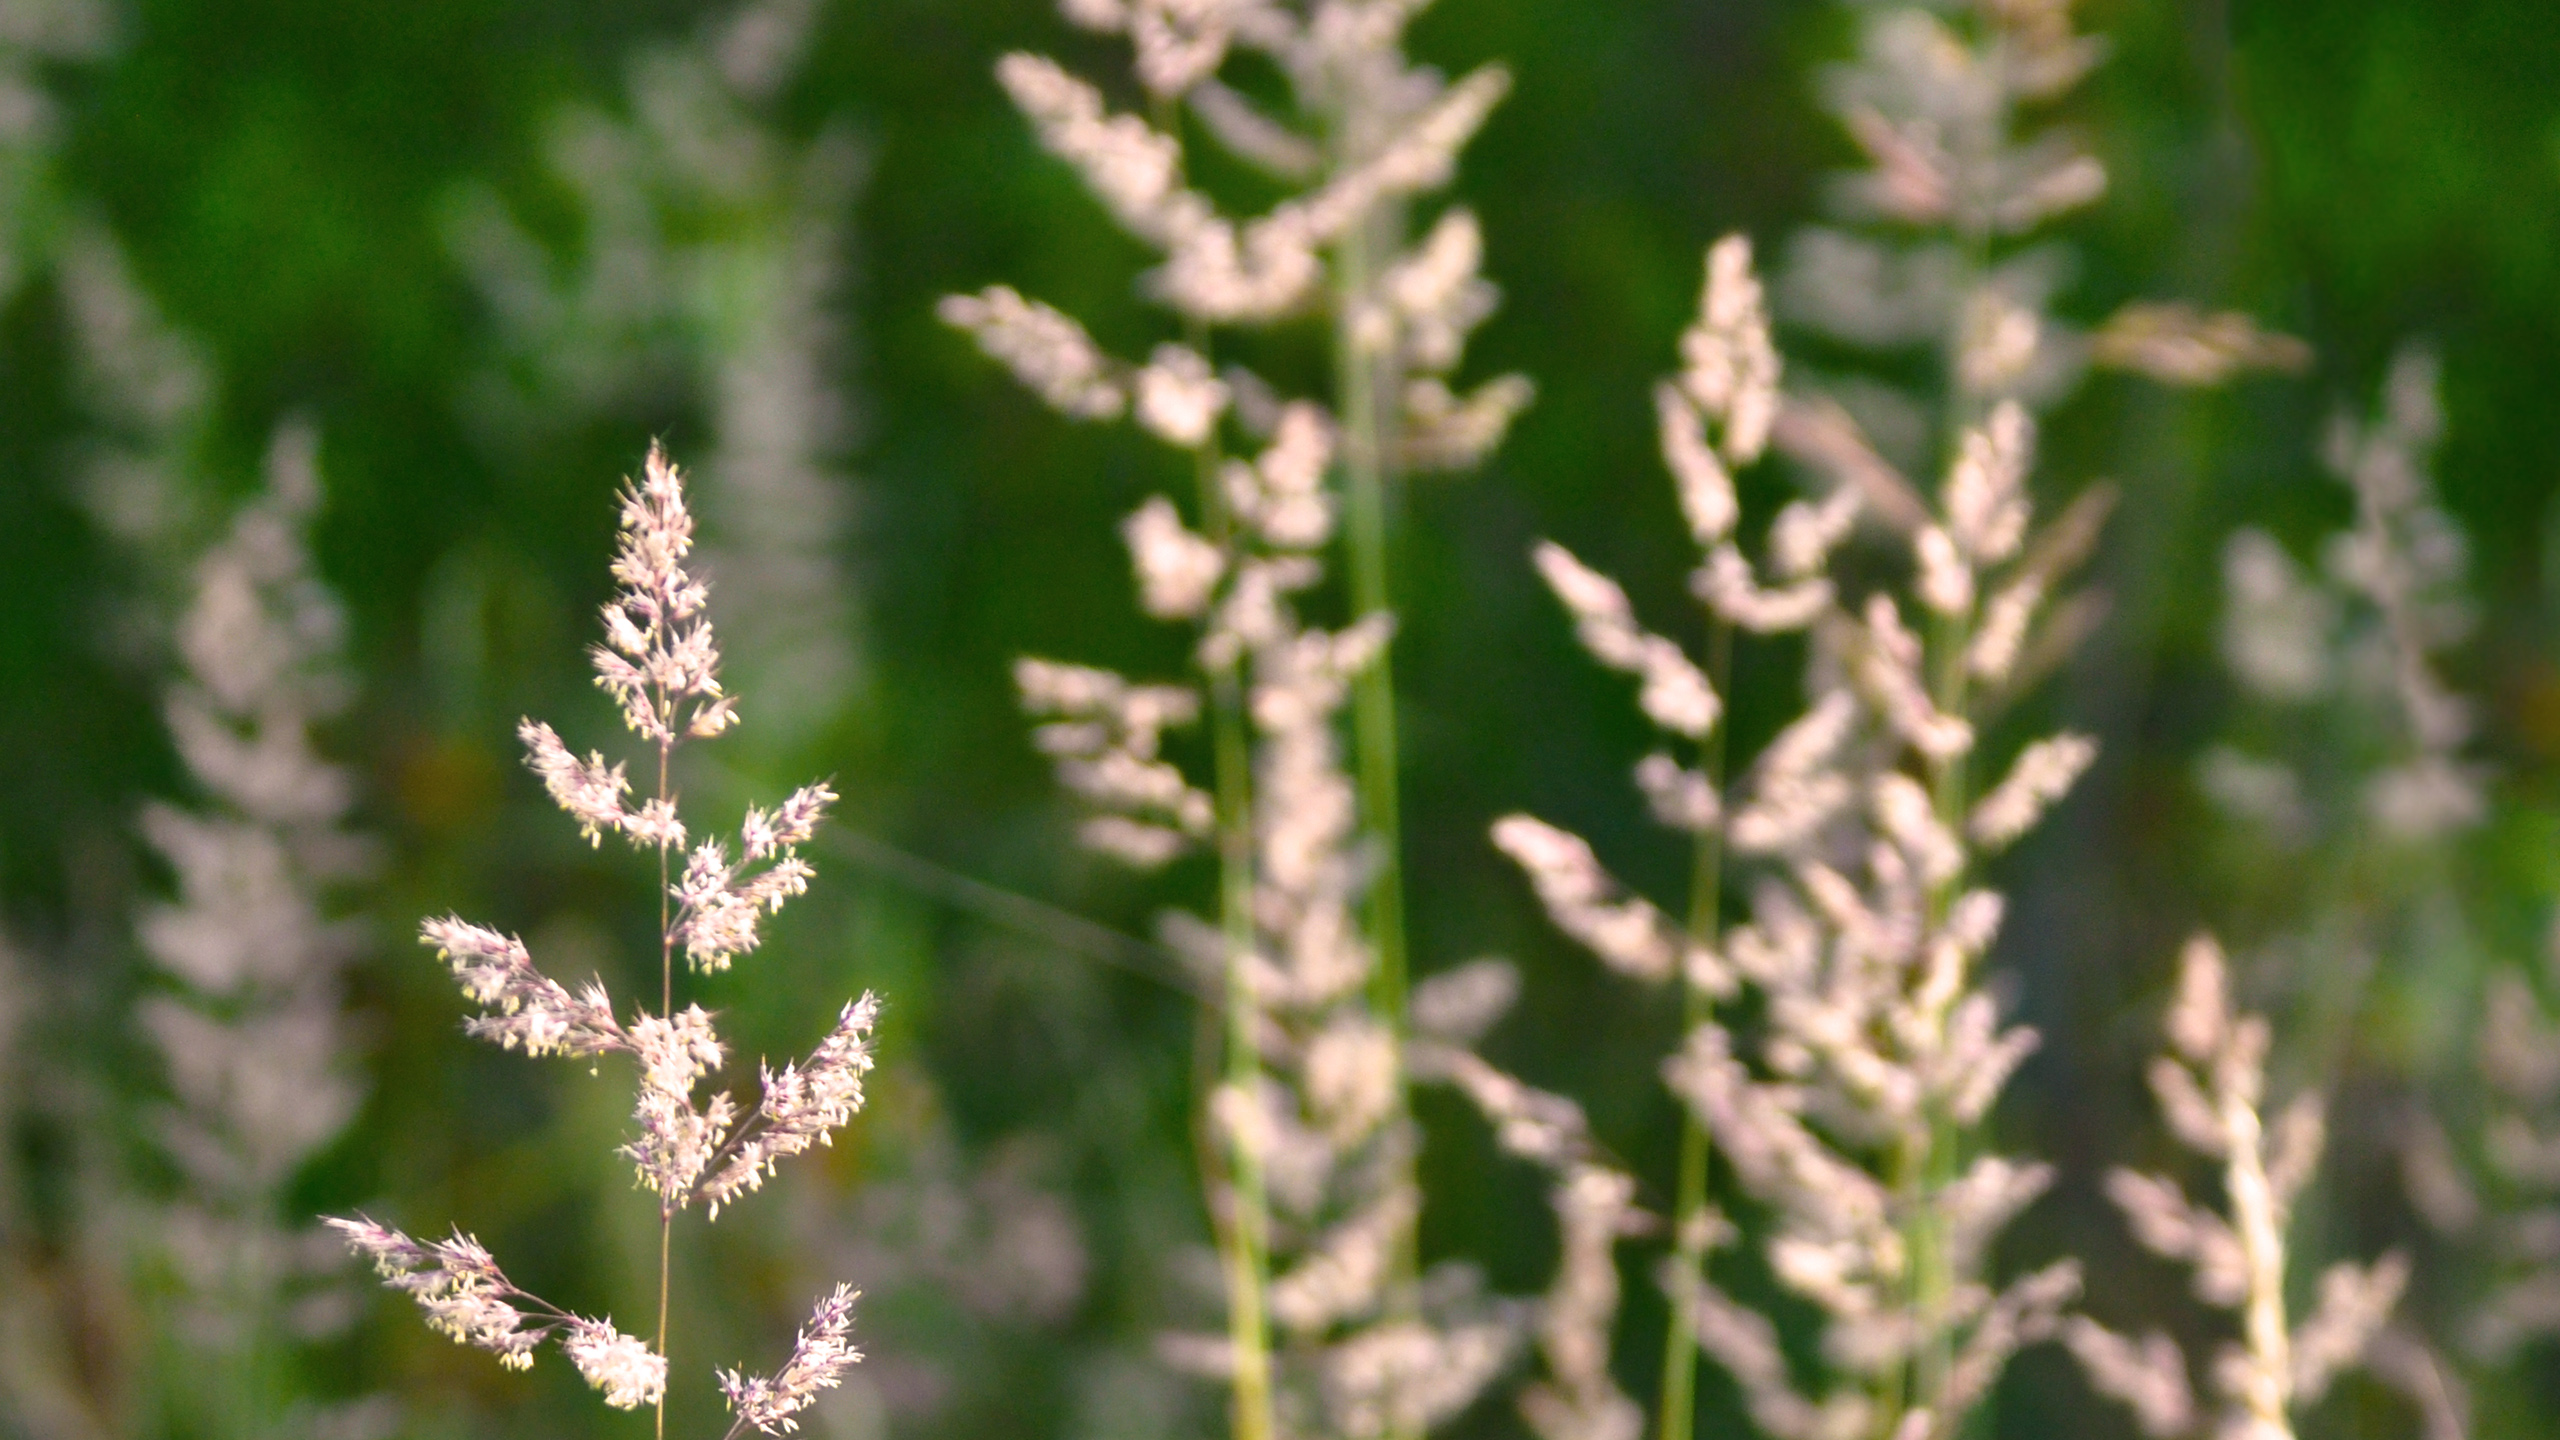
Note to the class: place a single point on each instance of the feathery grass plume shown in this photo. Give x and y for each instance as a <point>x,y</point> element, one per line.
<point>211,1288</point>
<point>146,394</point>
<point>248,1020</point>
<point>1714,419</point>
<point>1593,1197</point>
<point>660,662</point>
<point>1852,1109</point>
<point>1315,1198</point>
<point>709,275</point>
<point>1368,132</point>
<point>2211,1086</point>
<point>2368,770</point>
<point>1938,251</point>
<point>2349,786</point>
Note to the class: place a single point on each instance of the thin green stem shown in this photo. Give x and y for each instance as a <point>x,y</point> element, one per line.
<point>1933,1167</point>
<point>1365,381</point>
<point>1244,1235</point>
<point>666,1006</point>
<point>1678,1413</point>
<point>1366,386</point>
<point>1244,1231</point>
<point>1248,1257</point>
<point>1926,1173</point>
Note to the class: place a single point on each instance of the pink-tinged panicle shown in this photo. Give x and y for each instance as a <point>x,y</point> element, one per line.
<point>1107,735</point>
<point>1595,1209</point>
<point>677,1142</point>
<point>1178,570</point>
<point>583,326</point>
<point>660,661</point>
<point>1281,494</point>
<point>2354,1303</point>
<point>1134,171</point>
<point>456,1283</point>
<point>1458,1005</point>
<point>531,1011</point>
<point>1435,295</point>
<point>1677,695</point>
<point>1627,932</point>
<point>1681,798</point>
<point>2149,1376</point>
<point>1948,106</point>
<point>1985,501</point>
<point>1408,1376</point>
<point>245,1012</point>
<point>1798,786</point>
<point>589,790</point>
<point>1805,533</point>
<point>819,1358</point>
<point>1344,1272</point>
<point>1745,1344</point>
<point>2372,630</point>
<point>623,1367</point>
<point>1178,399</point>
<point>1048,352</point>
<point>1544,1129</point>
<point>1731,381</point>
<point>1889,669</point>
<point>592,792</point>
<point>1253,270</point>
<point>1707,496</point>
<point>763,836</point>
<point>802,1105</point>
<point>2211,1087</point>
<point>1446,430</point>
<point>677,1051</point>
<point>1727,584</point>
<point>2177,344</point>
<point>467,1298</point>
<point>1368,131</point>
<point>2041,775</point>
<point>720,904</point>
<point>1732,368</point>
<point>1877,1037</point>
<point>2518,1061</point>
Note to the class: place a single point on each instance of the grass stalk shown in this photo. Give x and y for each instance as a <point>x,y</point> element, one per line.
<point>666,1006</point>
<point>1367,385</point>
<point>1677,1414</point>
<point>1366,381</point>
<point>1245,1235</point>
<point>1950,638</point>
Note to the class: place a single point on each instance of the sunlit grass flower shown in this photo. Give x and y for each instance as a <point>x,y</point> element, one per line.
<point>660,663</point>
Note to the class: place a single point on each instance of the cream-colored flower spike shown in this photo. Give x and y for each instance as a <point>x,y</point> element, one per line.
<point>247,1017</point>
<point>661,665</point>
<point>1846,1112</point>
<point>2211,1089</point>
<point>2372,631</point>
<point>1313,1197</point>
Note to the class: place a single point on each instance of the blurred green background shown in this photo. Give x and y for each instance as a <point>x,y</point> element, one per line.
<point>282,175</point>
